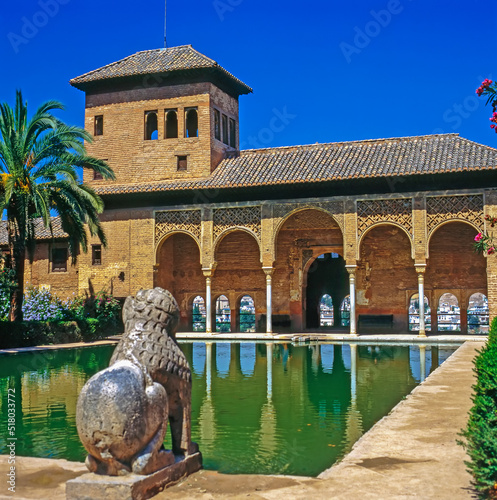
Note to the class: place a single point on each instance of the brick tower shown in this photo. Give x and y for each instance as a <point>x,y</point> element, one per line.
<point>160,115</point>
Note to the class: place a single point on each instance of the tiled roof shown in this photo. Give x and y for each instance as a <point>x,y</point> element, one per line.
<point>377,158</point>
<point>147,62</point>
<point>41,232</point>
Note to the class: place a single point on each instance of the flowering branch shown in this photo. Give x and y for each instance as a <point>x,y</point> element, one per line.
<point>484,243</point>
<point>488,88</point>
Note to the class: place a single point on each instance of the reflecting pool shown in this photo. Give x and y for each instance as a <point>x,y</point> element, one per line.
<point>266,408</point>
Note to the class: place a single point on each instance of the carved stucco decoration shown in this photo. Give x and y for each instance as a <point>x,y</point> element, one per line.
<point>397,211</point>
<point>237,217</point>
<point>440,209</point>
<point>188,221</point>
<point>281,211</point>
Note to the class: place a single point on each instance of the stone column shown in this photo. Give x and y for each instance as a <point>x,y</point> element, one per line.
<point>269,302</point>
<point>208,300</point>
<point>351,269</point>
<point>420,269</point>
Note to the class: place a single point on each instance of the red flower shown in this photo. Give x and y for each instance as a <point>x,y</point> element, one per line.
<point>491,250</point>
<point>478,237</point>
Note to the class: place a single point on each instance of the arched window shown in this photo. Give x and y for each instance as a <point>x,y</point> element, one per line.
<point>247,314</point>
<point>345,311</point>
<point>448,313</point>
<point>191,122</point>
<point>414,314</point>
<point>171,128</point>
<point>198,314</point>
<point>151,130</point>
<point>326,311</point>
<point>223,315</point>
<point>478,313</point>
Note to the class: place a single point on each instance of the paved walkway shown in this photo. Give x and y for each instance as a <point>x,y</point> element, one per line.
<point>411,453</point>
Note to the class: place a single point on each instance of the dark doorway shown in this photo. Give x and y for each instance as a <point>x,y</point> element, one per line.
<point>327,275</point>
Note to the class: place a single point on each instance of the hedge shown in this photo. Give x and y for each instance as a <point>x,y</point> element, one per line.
<point>34,333</point>
<point>481,431</point>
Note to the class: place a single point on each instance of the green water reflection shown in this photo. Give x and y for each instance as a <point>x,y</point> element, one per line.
<point>256,407</point>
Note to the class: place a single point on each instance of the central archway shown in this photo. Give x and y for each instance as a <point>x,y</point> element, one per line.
<point>301,238</point>
<point>326,276</point>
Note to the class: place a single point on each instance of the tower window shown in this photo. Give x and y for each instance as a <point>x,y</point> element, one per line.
<point>97,176</point>
<point>59,260</point>
<point>191,121</point>
<point>151,130</point>
<point>182,163</point>
<point>217,124</point>
<point>171,124</point>
<point>96,255</point>
<point>99,125</point>
<point>232,133</point>
<point>225,129</point>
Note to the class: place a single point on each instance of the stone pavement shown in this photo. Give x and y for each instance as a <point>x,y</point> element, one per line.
<point>410,453</point>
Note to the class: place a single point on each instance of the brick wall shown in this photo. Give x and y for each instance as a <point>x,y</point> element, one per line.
<point>63,284</point>
<point>385,273</point>
<point>240,275</point>
<point>128,261</point>
<point>180,272</point>
<point>135,159</point>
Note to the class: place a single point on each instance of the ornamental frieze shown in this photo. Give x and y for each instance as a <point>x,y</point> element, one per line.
<point>333,208</point>
<point>237,217</point>
<point>440,209</point>
<point>397,211</point>
<point>188,221</point>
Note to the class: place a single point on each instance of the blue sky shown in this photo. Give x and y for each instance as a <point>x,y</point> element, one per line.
<point>335,71</point>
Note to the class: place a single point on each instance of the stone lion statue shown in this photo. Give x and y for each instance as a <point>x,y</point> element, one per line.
<point>123,411</point>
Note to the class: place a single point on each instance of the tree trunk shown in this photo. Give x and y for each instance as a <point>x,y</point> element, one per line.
<point>16,299</point>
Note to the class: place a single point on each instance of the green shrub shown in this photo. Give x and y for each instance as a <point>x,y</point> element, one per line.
<point>481,431</point>
<point>32,333</point>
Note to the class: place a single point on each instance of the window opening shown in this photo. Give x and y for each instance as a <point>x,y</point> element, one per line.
<point>247,314</point>
<point>99,125</point>
<point>448,313</point>
<point>478,314</point>
<point>151,127</point>
<point>96,255</point>
<point>191,122</point>
<point>199,314</point>
<point>59,260</point>
<point>225,129</point>
<point>217,124</point>
<point>326,311</point>
<point>171,124</point>
<point>414,314</point>
<point>182,163</point>
<point>345,311</point>
<point>223,315</point>
<point>232,133</point>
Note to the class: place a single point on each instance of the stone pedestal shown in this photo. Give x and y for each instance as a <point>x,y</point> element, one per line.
<point>132,486</point>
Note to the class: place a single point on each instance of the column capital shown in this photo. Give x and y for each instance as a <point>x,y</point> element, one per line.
<point>420,268</point>
<point>351,268</point>
<point>209,271</point>
<point>268,271</point>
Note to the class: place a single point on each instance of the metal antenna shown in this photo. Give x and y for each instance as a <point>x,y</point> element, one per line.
<point>165,25</point>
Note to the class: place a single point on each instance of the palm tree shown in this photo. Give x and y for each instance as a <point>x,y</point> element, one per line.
<point>38,161</point>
